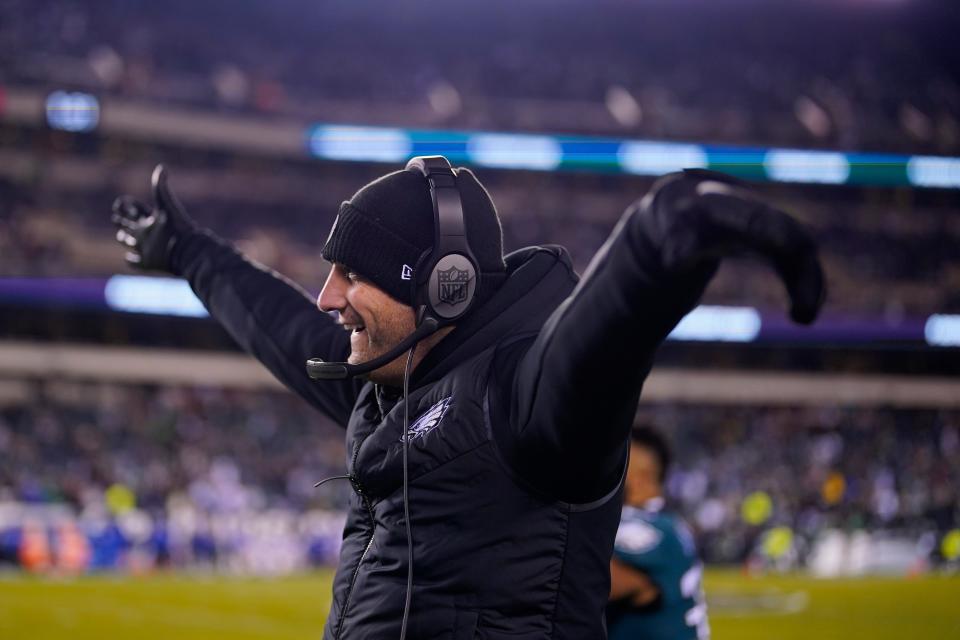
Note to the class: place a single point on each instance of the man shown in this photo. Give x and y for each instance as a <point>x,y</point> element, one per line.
<point>655,590</point>
<point>520,412</point>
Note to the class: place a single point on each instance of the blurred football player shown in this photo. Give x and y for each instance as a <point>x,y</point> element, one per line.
<point>655,589</point>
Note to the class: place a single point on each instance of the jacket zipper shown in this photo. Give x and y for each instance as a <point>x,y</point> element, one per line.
<point>356,569</point>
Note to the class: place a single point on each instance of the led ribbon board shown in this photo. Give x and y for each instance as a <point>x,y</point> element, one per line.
<point>534,152</point>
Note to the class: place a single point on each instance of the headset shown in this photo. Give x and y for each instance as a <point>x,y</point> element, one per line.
<point>445,280</point>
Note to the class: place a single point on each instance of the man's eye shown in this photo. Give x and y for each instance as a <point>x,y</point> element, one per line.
<point>353,276</point>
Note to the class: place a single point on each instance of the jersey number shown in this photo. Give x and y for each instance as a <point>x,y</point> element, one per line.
<point>691,587</point>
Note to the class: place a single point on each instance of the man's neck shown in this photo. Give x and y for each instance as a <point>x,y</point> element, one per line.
<point>391,375</point>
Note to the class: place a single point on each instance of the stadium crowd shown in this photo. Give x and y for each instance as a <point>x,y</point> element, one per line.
<point>850,80</point>
<point>136,477</point>
<point>744,470</point>
<point>885,256</point>
<point>98,476</point>
<point>146,476</point>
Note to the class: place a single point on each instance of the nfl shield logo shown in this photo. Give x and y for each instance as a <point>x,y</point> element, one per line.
<point>453,285</point>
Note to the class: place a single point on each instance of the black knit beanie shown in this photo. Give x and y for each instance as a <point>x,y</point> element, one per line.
<point>382,231</point>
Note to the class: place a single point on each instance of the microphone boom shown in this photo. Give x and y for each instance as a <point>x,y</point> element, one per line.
<point>317,369</point>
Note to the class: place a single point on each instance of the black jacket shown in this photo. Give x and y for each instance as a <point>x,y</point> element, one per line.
<point>519,421</point>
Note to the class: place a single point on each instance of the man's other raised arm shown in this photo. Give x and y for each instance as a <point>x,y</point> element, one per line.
<point>576,389</point>
<point>269,316</point>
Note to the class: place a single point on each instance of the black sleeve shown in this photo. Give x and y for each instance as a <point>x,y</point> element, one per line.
<point>270,317</point>
<point>575,390</point>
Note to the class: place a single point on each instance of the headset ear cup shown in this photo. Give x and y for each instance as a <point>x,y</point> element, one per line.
<point>452,287</point>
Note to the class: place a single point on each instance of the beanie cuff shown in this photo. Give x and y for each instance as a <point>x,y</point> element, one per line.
<point>373,251</point>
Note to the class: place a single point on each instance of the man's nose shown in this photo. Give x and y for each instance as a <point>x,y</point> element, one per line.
<point>332,296</point>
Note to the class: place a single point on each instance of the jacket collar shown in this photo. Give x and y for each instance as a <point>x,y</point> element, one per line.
<point>538,280</point>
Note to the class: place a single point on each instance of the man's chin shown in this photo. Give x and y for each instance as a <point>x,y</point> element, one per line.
<point>364,354</point>
<point>361,358</point>
<point>389,374</point>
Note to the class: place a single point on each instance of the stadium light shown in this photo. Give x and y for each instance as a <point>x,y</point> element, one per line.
<point>942,330</point>
<point>933,171</point>
<point>794,165</point>
<point>718,324</point>
<point>369,144</point>
<point>657,158</point>
<point>74,112</point>
<point>142,294</point>
<point>515,151</point>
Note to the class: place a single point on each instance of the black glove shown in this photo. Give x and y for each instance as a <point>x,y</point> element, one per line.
<point>696,217</point>
<point>151,235</point>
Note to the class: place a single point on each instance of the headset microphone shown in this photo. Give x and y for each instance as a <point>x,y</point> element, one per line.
<point>320,370</point>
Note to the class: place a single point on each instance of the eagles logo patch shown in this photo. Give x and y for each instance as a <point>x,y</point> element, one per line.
<point>637,537</point>
<point>429,420</point>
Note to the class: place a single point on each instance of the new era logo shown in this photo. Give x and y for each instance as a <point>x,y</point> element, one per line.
<point>406,273</point>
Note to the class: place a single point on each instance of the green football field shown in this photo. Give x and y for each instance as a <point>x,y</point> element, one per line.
<point>188,608</point>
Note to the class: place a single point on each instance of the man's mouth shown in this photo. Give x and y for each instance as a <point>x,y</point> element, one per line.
<point>354,328</point>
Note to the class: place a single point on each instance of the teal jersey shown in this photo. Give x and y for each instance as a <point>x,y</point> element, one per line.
<point>660,545</point>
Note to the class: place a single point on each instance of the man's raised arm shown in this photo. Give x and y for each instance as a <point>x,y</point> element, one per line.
<point>576,389</point>
<point>269,316</point>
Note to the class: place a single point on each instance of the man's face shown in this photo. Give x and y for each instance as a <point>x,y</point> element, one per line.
<point>376,321</point>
